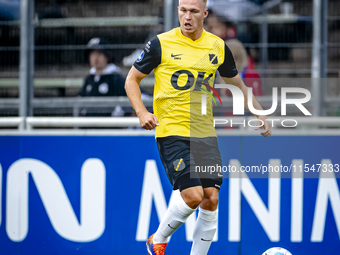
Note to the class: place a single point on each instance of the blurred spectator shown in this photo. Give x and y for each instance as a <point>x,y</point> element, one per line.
<point>130,59</point>
<point>235,9</point>
<point>104,78</point>
<point>245,65</point>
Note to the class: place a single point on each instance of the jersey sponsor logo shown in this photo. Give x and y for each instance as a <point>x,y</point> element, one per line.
<point>201,81</point>
<point>141,56</point>
<point>213,59</point>
<point>189,83</point>
<point>198,85</point>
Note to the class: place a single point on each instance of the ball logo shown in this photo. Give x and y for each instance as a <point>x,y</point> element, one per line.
<point>141,56</point>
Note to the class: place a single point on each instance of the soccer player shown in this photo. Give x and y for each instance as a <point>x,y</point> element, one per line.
<point>185,61</point>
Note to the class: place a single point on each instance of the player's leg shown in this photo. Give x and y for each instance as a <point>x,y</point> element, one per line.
<point>207,154</point>
<point>206,224</point>
<point>176,158</point>
<point>178,213</point>
<point>192,196</point>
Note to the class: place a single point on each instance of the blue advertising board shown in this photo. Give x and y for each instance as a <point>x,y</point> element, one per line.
<point>106,194</point>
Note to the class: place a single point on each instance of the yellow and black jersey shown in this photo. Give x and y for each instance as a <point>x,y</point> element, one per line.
<point>184,70</point>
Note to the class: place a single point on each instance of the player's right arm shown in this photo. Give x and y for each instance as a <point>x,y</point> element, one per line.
<point>149,59</point>
<point>147,120</point>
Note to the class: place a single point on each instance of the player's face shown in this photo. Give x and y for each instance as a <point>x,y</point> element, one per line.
<point>98,60</point>
<point>191,15</point>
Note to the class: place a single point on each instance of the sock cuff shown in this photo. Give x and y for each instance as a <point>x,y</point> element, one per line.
<point>183,208</point>
<point>208,215</point>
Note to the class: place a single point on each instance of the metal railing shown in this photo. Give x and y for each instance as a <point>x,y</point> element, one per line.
<point>18,122</point>
<point>30,123</point>
<point>61,82</point>
<point>75,104</point>
<point>92,22</point>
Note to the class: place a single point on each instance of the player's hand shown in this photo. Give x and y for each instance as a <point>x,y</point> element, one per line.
<point>266,126</point>
<point>148,120</point>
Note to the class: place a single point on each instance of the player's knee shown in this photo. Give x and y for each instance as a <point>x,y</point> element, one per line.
<point>210,202</point>
<point>192,196</point>
<point>195,200</point>
<point>213,200</point>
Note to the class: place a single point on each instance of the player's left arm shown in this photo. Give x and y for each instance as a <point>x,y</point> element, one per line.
<point>238,82</point>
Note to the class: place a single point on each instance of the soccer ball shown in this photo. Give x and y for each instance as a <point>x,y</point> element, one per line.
<point>276,251</point>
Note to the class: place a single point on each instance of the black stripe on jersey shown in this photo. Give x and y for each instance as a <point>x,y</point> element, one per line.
<point>152,56</point>
<point>228,68</point>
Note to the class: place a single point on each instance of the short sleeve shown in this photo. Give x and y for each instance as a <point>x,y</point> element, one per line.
<point>228,68</point>
<point>150,57</point>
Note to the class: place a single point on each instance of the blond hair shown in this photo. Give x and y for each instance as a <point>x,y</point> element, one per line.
<point>204,2</point>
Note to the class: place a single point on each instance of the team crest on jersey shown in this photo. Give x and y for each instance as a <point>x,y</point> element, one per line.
<point>213,59</point>
<point>141,56</point>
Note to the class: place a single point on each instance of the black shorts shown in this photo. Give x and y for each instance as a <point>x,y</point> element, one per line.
<point>182,157</point>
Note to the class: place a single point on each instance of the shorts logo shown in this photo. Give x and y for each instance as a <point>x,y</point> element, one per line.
<point>179,164</point>
<point>141,56</point>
